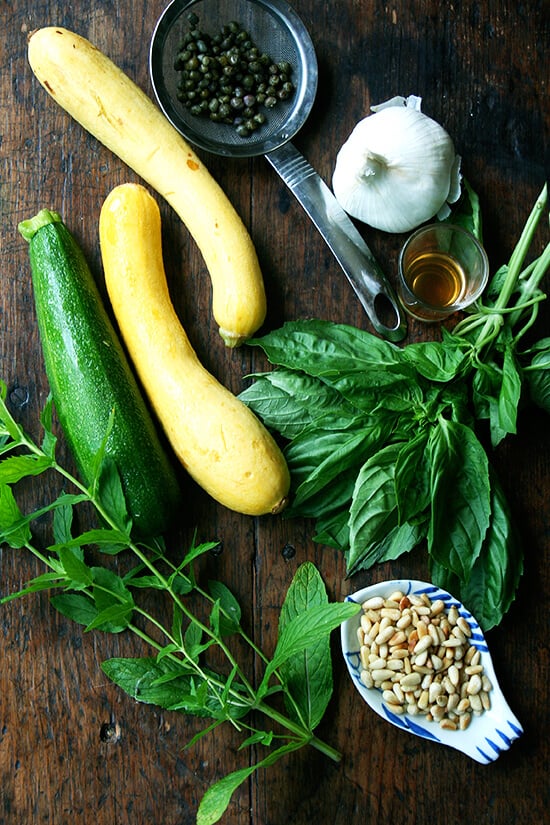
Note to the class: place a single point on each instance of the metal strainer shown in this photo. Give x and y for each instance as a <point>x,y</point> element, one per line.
<point>276,29</point>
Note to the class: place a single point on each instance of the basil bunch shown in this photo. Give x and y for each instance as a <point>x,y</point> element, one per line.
<point>383,446</point>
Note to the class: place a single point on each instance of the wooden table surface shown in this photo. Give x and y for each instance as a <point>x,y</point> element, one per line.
<point>482,71</point>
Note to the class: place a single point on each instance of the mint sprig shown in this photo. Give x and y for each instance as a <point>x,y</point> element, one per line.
<point>176,674</point>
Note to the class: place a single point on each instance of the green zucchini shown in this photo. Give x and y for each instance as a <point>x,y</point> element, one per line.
<point>94,390</point>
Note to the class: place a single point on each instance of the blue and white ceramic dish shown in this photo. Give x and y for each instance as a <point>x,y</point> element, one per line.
<point>488,734</point>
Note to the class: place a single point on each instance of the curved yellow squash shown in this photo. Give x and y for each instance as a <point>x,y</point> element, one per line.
<point>109,105</point>
<point>220,442</point>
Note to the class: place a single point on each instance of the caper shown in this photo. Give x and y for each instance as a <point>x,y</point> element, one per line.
<point>226,77</point>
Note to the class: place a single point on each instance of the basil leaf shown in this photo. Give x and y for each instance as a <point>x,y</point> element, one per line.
<point>510,392</point>
<point>308,674</point>
<point>460,494</point>
<point>325,349</point>
<point>330,454</point>
<point>373,512</point>
<point>438,361</point>
<point>331,498</point>
<point>412,478</point>
<point>467,212</point>
<point>495,575</point>
<point>402,539</point>
<point>332,529</point>
<point>377,390</point>
<point>538,377</point>
<point>290,402</point>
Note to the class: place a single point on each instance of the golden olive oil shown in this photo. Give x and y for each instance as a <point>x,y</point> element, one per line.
<point>436,279</point>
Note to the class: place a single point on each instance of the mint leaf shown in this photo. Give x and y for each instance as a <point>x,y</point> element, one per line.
<point>62,523</point>
<point>74,567</point>
<point>14,529</point>
<point>113,601</point>
<point>14,468</point>
<point>140,678</point>
<point>307,675</point>
<point>303,631</point>
<point>230,618</point>
<point>75,606</point>
<point>111,494</point>
<point>216,799</point>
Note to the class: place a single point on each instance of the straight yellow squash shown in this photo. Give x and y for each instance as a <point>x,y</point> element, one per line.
<point>217,438</point>
<point>109,105</point>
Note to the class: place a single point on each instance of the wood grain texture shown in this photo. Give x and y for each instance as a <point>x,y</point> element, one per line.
<point>73,748</point>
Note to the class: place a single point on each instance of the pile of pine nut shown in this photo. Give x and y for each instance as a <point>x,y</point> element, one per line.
<point>420,656</point>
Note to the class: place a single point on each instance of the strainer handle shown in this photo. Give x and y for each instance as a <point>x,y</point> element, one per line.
<point>344,240</point>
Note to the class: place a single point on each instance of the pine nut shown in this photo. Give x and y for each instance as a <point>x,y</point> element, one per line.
<point>375,603</point>
<point>438,607</point>
<point>367,679</point>
<point>381,675</point>
<point>474,684</point>
<point>384,635</point>
<point>463,706</point>
<point>464,625</point>
<point>392,613</point>
<point>419,655</point>
<point>476,703</point>
<point>390,697</point>
<point>422,644</point>
<point>404,622</point>
<point>410,680</point>
<point>465,720</point>
<point>485,700</point>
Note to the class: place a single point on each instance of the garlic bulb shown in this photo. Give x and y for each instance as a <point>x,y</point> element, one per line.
<point>397,169</point>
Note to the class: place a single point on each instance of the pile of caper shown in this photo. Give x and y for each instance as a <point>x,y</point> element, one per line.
<point>228,79</point>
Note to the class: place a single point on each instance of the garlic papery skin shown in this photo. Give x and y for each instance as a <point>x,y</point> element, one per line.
<point>397,169</point>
